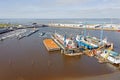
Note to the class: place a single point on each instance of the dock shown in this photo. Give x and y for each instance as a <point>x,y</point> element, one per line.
<point>32,32</point>
<point>51,45</point>
<point>12,34</point>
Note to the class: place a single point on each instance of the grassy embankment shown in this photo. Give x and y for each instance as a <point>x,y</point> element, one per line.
<point>5,25</point>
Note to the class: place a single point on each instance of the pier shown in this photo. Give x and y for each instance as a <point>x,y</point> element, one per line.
<point>32,32</point>
<point>14,33</point>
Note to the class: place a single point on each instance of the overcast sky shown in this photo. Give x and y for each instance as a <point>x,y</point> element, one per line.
<point>59,8</point>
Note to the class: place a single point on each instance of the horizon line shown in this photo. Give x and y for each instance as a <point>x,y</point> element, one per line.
<point>59,18</point>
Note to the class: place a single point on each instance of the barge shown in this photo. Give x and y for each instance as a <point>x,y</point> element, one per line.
<point>50,45</point>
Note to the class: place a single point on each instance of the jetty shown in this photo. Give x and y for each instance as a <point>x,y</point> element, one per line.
<point>32,32</point>
<point>13,34</point>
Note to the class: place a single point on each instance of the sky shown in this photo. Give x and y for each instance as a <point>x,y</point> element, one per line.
<point>59,9</point>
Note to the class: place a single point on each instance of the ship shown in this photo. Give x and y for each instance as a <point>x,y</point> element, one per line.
<point>111,56</point>
<point>68,46</point>
<point>100,43</point>
<point>90,43</point>
<point>84,42</point>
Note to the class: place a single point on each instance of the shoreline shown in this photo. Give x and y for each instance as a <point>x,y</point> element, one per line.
<point>106,29</point>
<point>110,76</point>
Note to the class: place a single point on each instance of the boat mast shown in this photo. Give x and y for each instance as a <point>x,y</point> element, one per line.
<point>84,29</point>
<point>111,23</point>
<point>101,35</point>
<point>65,40</point>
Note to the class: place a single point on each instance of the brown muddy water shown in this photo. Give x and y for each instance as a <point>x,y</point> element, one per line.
<point>28,59</point>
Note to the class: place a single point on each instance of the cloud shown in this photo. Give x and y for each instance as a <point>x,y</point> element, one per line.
<point>95,13</point>
<point>88,13</point>
<point>60,8</point>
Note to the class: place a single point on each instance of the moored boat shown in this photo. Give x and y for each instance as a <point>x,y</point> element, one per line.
<point>74,54</point>
<point>82,41</point>
<point>99,43</point>
<point>68,46</point>
<point>111,56</point>
<point>50,45</point>
<point>66,42</point>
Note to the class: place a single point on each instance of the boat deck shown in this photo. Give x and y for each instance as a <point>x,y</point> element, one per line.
<point>50,45</point>
<point>73,54</point>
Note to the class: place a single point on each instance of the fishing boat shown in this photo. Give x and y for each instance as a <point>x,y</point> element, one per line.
<point>68,46</point>
<point>111,56</point>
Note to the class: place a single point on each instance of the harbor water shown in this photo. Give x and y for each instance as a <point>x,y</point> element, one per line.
<point>28,59</point>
